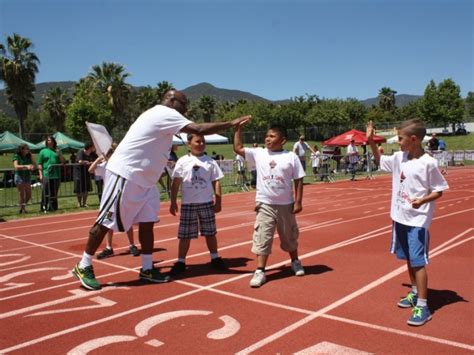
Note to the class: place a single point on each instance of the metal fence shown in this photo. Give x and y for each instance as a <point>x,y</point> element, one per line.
<point>329,168</point>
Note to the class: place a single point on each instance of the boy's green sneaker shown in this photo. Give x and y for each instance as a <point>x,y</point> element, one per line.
<point>408,301</point>
<point>420,315</point>
<point>153,275</point>
<point>86,277</point>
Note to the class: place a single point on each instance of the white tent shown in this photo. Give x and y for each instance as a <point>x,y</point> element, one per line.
<point>210,139</point>
<point>394,139</point>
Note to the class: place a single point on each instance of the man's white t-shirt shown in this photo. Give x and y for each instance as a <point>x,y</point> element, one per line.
<point>300,148</point>
<point>275,174</point>
<point>412,179</point>
<point>197,173</point>
<point>143,153</point>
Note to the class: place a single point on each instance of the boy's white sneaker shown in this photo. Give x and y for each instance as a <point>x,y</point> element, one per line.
<point>258,279</point>
<point>297,267</point>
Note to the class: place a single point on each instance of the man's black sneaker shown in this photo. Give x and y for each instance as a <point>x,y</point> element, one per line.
<point>105,253</point>
<point>178,268</point>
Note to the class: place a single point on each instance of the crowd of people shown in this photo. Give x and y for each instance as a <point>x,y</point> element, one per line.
<point>129,172</point>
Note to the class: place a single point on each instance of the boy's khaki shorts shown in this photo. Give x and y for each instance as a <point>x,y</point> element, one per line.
<point>270,217</point>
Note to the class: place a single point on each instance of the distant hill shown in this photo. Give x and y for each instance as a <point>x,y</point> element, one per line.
<point>196,91</point>
<point>400,100</point>
<point>193,93</point>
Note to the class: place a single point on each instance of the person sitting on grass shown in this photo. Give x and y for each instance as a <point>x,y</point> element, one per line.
<point>98,168</point>
<point>276,204</point>
<point>416,184</point>
<point>198,176</point>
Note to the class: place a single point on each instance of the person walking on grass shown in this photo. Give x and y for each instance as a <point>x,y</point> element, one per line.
<point>276,203</point>
<point>416,184</point>
<point>98,168</point>
<point>198,176</point>
<point>130,195</point>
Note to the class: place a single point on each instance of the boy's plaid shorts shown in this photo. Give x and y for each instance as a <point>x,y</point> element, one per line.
<point>195,214</point>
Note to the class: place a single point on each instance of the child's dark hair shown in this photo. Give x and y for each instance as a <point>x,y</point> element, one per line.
<point>280,129</point>
<point>20,149</point>
<point>191,135</point>
<point>88,145</point>
<point>414,127</point>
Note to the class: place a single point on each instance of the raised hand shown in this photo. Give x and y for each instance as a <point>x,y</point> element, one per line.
<point>241,120</point>
<point>370,131</point>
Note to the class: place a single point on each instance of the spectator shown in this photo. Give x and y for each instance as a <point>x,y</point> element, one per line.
<point>82,178</point>
<point>441,144</point>
<point>315,161</point>
<point>24,163</point>
<point>49,173</point>
<point>353,158</point>
<point>300,148</point>
<point>433,143</point>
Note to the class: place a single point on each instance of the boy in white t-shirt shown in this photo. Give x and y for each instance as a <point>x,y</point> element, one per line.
<point>276,204</point>
<point>198,176</point>
<point>315,161</point>
<point>416,184</point>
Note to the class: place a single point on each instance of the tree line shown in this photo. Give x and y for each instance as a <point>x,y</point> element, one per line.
<point>104,96</point>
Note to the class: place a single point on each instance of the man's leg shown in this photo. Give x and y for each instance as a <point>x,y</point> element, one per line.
<point>146,237</point>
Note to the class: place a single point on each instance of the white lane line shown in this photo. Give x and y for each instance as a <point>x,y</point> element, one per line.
<point>340,302</point>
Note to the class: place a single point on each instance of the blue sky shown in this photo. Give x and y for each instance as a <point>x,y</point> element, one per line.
<point>275,49</point>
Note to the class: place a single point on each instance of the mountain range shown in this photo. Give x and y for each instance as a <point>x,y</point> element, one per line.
<point>193,93</point>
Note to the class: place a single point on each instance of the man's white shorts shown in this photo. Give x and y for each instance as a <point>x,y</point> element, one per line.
<point>124,203</point>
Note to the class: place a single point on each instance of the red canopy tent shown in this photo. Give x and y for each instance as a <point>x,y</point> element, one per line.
<point>359,137</point>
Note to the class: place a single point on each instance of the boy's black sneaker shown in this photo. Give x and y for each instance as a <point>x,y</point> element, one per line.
<point>134,250</point>
<point>218,264</point>
<point>105,253</point>
<point>153,275</point>
<point>178,268</point>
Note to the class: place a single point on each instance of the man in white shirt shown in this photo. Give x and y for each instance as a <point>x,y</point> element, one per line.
<point>130,194</point>
<point>300,148</point>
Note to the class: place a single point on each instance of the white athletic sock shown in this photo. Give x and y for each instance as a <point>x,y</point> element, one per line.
<point>86,260</point>
<point>414,290</point>
<point>214,255</point>
<point>422,302</point>
<point>182,260</point>
<point>147,262</point>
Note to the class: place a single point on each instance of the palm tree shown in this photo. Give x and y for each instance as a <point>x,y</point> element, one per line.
<point>18,68</point>
<point>208,106</point>
<point>162,88</point>
<point>55,102</point>
<point>146,98</point>
<point>110,79</point>
<point>387,99</point>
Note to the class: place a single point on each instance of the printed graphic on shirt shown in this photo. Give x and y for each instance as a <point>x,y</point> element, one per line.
<point>403,199</point>
<point>274,180</point>
<point>197,181</point>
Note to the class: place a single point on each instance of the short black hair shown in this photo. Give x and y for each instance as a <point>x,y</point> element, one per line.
<point>280,129</point>
<point>191,135</point>
<point>415,127</point>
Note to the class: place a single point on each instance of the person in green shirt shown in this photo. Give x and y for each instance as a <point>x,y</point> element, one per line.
<point>50,174</point>
<point>24,164</point>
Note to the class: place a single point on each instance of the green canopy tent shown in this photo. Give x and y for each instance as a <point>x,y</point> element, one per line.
<point>65,143</point>
<point>9,143</point>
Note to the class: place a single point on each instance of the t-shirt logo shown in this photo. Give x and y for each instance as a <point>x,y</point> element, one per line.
<point>196,179</point>
<point>273,164</point>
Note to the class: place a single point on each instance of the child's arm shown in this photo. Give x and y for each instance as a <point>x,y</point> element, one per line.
<point>370,140</point>
<point>416,203</point>
<point>298,207</point>
<point>176,183</point>
<point>218,196</point>
<point>93,166</point>
<point>238,146</point>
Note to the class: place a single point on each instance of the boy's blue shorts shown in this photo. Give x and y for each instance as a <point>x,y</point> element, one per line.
<point>410,243</point>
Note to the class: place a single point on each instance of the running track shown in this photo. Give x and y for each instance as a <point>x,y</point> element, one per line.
<point>346,301</point>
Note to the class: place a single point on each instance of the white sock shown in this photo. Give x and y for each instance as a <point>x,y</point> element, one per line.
<point>414,290</point>
<point>422,302</point>
<point>182,260</point>
<point>86,260</point>
<point>214,255</point>
<point>147,262</point>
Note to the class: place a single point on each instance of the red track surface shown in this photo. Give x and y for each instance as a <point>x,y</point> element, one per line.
<point>346,299</point>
